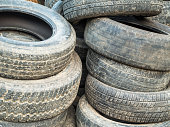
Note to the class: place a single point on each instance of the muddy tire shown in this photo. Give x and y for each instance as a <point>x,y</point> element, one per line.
<point>37,59</point>
<point>71,118</point>
<point>125,77</point>
<point>134,107</point>
<point>57,121</point>
<point>164,17</point>
<point>87,116</point>
<point>129,45</point>
<point>34,100</point>
<point>82,9</point>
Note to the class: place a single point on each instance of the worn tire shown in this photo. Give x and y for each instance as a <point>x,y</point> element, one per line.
<point>81,9</point>
<point>134,107</point>
<point>57,121</point>
<point>50,3</point>
<point>125,77</point>
<point>89,117</point>
<point>129,45</point>
<point>164,17</point>
<point>71,118</point>
<point>34,100</point>
<point>34,60</point>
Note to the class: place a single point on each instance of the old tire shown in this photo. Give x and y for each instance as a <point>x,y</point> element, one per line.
<point>129,45</point>
<point>71,118</point>
<point>34,100</point>
<point>87,116</point>
<point>164,17</point>
<point>82,9</point>
<point>34,60</point>
<point>57,121</point>
<point>125,77</point>
<point>128,106</point>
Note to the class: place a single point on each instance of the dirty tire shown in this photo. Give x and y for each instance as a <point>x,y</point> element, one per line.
<point>164,17</point>
<point>134,107</point>
<point>80,93</point>
<point>129,45</point>
<point>40,59</point>
<point>71,118</point>
<point>81,9</point>
<point>125,77</point>
<point>57,121</point>
<point>34,100</point>
<point>87,116</point>
<point>50,3</point>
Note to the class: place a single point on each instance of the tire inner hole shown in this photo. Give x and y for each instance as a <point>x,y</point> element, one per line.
<point>24,27</point>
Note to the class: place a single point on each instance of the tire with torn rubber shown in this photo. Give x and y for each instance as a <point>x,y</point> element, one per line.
<point>137,47</point>
<point>34,100</point>
<point>57,121</point>
<point>37,59</point>
<point>128,106</point>
<point>75,10</point>
<point>71,118</point>
<point>87,116</point>
<point>164,16</point>
<point>125,77</point>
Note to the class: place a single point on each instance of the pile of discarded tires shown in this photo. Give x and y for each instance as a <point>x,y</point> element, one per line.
<point>128,64</point>
<point>39,70</point>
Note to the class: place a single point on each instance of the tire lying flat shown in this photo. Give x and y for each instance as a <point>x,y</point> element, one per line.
<point>89,117</point>
<point>37,59</point>
<point>81,9</point>
<point>125,77</point>
<point>34,100</point>
<point>71,118</point>
<point>128,106</point>
<point>57,121</point>
<point>129,45</point>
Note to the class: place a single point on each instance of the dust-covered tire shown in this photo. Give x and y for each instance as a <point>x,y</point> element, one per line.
<point>57,121</point>
<point>87,116</point>
<point>129,45</point>
<point>125,77</point>
<point>80,9</point>
<point>164,17</point>
<point>128,106</point>
<point>50,3</point>
<point>71,118</point>
<point>34,100</point>
<point>40,59</point>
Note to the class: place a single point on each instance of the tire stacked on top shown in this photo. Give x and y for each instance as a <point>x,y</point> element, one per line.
<point>39,70</point>
<point>164,17</point>
<point>128,65</point>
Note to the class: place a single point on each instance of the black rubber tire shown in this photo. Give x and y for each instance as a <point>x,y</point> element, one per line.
<point>80,93</point>
<point>57,121</point>
<point>125,77</point>
<point>89,117</point>
<point>164,17</point>
<point>129,45</point>
<point>77,10</point>
<point>134,107</point>
<point>34,60</point>
<point>34,100</point>
<point>71,118</point>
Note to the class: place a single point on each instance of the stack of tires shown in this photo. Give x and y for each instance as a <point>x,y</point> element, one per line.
<point>39,70</point>
<point>164,17</point>
<point>128,64</point>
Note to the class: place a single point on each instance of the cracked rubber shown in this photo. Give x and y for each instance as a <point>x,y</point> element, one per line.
<point>87,116</point>
<point>128,44</point>
<point>57,121</point>
<point>75,10</point>
<point>164,17</point>
<point>34,100</point>
<point>71,118</point>
<point>125,77</point>
<point>128,106</point>
<point>40,59</point>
